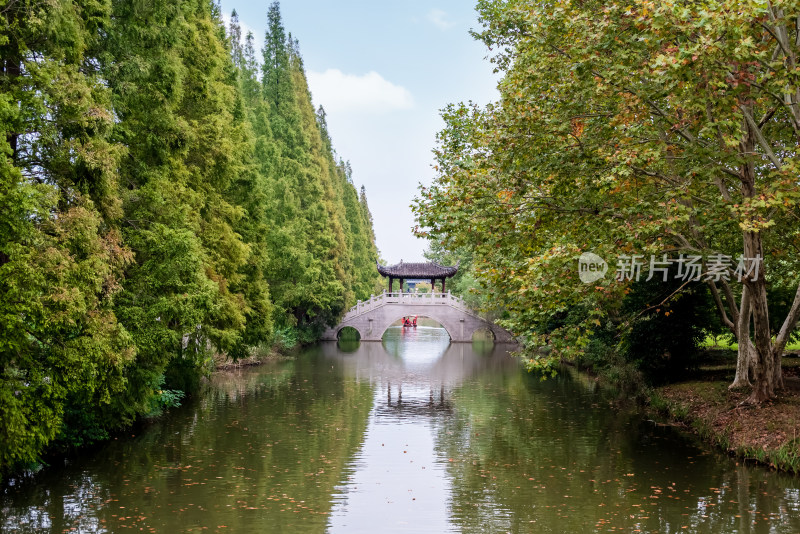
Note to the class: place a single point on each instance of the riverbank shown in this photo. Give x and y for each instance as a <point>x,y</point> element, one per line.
<point>768,434</point>
<point>223,363</point>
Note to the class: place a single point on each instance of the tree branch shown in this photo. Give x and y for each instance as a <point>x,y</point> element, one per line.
<point>767,116</point>
<point>762,141</point>
<point>726,288</point>
<point>775,35</point>
<point>789,324</point>
<point>721,307</point>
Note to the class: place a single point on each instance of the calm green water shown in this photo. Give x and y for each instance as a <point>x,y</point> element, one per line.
<point>412,435</point>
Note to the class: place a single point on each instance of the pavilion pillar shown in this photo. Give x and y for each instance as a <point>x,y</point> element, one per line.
<point>443,280</point>
<point>401,285</point>
<point>433,287</point>
<point>391,280</point>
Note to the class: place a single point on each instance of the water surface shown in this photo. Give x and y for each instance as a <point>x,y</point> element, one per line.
<point>410,435</point>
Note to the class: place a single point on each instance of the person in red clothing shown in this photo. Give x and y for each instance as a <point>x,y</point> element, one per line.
<point>415,321</point>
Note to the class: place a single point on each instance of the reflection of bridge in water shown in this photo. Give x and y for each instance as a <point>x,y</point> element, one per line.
<point>418,370</point>
<point>436,402</point>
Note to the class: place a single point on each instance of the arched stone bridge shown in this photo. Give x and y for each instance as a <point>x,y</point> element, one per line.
<point>371,318</point>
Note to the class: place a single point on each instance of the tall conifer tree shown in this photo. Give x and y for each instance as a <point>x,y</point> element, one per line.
<point>276,76</point>
<point>61,258</point>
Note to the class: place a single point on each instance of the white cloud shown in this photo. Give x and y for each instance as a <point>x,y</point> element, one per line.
<point>337,91</point>
<point>439,19</point>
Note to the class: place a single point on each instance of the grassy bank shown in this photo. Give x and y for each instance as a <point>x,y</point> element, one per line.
<point>727,341</point>
<point>768,434</point>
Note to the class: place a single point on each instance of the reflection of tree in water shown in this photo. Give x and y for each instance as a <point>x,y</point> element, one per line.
<point>260,445</point>
<point>348,345</point>
<point>235,384</point>
<point>548,456</point>
<point>55,512</point>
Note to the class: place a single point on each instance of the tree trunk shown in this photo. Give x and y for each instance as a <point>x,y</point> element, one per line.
<point>745,356</point>
<point>764,372</point>
<point>764,379</point>
<point>777,378</point>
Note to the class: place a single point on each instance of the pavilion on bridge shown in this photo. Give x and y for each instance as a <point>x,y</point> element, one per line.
<point>417,271</point>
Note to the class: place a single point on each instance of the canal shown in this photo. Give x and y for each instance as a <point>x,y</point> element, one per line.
<point>410,435</point>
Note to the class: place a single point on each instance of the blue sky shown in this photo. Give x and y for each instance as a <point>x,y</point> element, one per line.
<point>382,70</point>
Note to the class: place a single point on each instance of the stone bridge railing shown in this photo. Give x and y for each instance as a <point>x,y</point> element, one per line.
<point>423,299</point>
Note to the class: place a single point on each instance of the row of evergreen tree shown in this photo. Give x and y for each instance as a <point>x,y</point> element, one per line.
<point>165,196</point>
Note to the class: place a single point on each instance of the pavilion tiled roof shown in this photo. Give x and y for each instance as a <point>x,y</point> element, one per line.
<point>410,271</point>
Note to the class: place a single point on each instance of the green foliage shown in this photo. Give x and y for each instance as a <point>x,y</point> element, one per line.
<point>160,205</point>
<point>285,339</point>
<point>465,283</point>
<point>317,231</point>
<point>643,128</point>
<point>349,333</point>
<point>276,69</point>
<point>61,262</point>
<point>163,399</point>
<point>663,337</point>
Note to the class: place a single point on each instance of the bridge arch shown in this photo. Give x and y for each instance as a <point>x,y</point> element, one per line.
<point>491,334</point>
<point>426,315</point>
<point>343,328</point>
